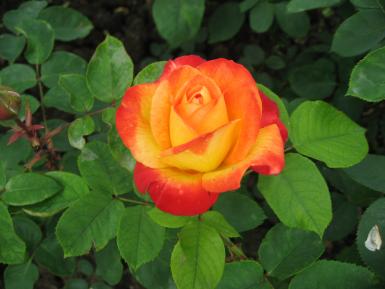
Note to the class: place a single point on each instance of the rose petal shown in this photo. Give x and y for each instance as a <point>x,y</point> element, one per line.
<point>242,102</point>
<point>265,157</point>
<point>133,125</point>
<point>205,153</point>
<point>270,115</point>
<point>175,192</point>
<point>191,60</point>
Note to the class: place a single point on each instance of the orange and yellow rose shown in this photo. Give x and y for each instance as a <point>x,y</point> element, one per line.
<point>196,130</point>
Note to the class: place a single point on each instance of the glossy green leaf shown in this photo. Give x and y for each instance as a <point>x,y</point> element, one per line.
<point>101,171</point>
<point>3,176</point>
<point>320,131</point>
<point>373,216</point>
<point>58,98</point>
<point>11,46</point>
<point>246,5</point>
<point>61,62</point>
<point>28,231</point>
<point>167,220</point>
<point>74,187</point>
<point>365,3</point>
<point>40,40</point>
<point>75,85</point>
<point>79,128</point>
<point>150,73</point>
<point>315,80</point>
<point>68,23</point>
<point>110,70</point>
<point>27,10</point>
<point>295,25</point>
<point>367,80</point>
<point>370,172</point>
<point>12,248</point>
<point>50,256</point>
<point>178,21</point>
<point>220,30</point>
<point>286,251</point>
<point>18,76</point>
<point>249,213</point>
<point>242,275</point>
<point>29,188</point>
<point>327,274</point>
<point>300,187</point>
<point>215,220</point>
<point>85,267</point>
<point>303,5</point>
<point>76,284</point>
<point>140,239</point>
<point>108,264</point>
<point>261,16</point>
<point>21,276</point>
<point>199,247</point>
<point>92,220</point>
<point>359,33</point>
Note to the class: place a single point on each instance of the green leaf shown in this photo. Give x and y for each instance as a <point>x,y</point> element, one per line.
<point>365,3</point>
<point>249,213</point>
<point>28,231</point>
<point>110,70</point>
<point>140,239</point>
<point>3,177</point>
<point>253,54</point>
<point>75,85</point>
<point>261,16</point>
<point>286,251</point>
<point>18,152</point>
<point>12,248</point>
<point>374,215</point>
<point>320,131</point>
<point>11,46</point>
<point>167,220</point>
<point>76,284</point>
<point>220,30</point>
<point>61,62</point>
<point>300,187</point>
<point>370,172</point>
<point>21,276</point>
<point>246,5</point>
<point>108,264</point>
<point>242,275</point>
<point>283,114</point>
<point>215,220</point>
<point>303,5</point>
<point>58,98</point>
<point>359,33</point>
<point>85,267</point>
<point>27,10</point>
<point>68,23</point>
<point>74,187</point>
<point>367,80</point>
<point>101,171</point>
<point>275,62</point>
<point>345,217</point>
<point>326,274</point>
<point>50,256</point>
<point>29,188</point>
<point>92,220</point>
<point>150,73</point>
<point>295,25</point>
<point>119,151</point>
<point>40,40</point>
<point>178,21</point>
<point>199,247</point>
<point>315,80</point>
<point>79,128</point>
<point>18,76</point>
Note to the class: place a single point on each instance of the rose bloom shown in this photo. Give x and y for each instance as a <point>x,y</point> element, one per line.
<point>196,130</point>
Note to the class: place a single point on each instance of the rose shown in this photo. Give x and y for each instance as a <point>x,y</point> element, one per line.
<point>9,103</point>
<point>196,130</point>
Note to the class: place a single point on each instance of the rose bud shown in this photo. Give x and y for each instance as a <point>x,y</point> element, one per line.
<point>9,103</point>
<point>196,130</point>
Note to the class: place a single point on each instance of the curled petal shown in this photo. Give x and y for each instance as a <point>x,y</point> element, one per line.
<point>191,60</point>
<point>266,157</point>
<point>133,125</point>
<point>242,101</point>
<point>205,153</point>
<point>173,191</point>
<point>270,115</point>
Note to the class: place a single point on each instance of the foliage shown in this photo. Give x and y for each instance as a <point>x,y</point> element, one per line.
<point>68,205</point>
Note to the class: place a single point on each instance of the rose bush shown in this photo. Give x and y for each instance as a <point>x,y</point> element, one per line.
<point>196,130</point>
